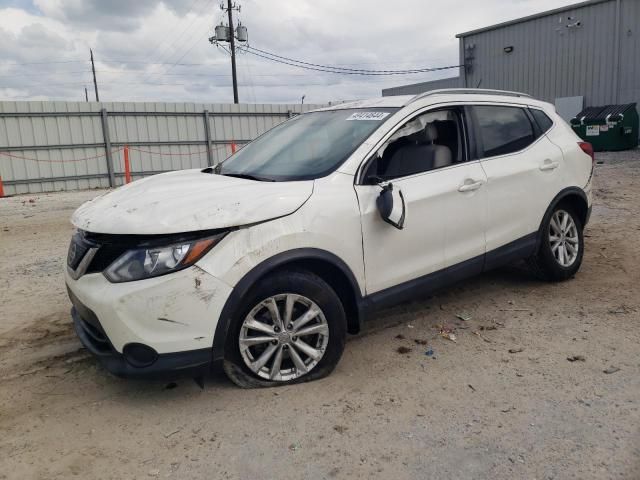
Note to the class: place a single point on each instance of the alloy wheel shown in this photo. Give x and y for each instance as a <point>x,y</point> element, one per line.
<point>283,337</point>
<point>563,238</point>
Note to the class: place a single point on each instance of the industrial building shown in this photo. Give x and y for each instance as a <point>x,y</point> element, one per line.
<point>581,55</point>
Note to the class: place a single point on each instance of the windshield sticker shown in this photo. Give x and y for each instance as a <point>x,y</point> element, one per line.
<point>377,116</point>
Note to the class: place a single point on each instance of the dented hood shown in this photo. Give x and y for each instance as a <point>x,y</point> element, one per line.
<point>189,200</point>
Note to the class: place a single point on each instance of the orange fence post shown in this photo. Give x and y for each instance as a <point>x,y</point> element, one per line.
<point>233,147</point>
<point>1,188</point>
<point>127,167</point>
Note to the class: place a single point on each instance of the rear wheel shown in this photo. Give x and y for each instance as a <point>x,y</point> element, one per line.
<point>292,329</point>
<point>561,246</point>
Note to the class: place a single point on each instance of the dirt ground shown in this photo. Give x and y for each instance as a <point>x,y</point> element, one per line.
<point>471,410</point>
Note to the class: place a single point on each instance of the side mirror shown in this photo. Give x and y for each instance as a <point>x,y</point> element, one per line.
<point>391,205</point>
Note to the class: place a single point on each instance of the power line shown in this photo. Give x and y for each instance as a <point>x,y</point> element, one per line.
<point>173,65</point>
<point>42,63</point>
<point>328,69</point>
<point>40,74</point>
<point>345,69</point>
<point>167,39</point>
<point>161,56</point>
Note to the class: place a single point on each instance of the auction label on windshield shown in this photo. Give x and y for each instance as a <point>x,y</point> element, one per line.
<point>377,116</point>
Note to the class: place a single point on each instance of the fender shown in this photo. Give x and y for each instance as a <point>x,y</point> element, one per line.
<point>242,288</point>
<point>564,193</point>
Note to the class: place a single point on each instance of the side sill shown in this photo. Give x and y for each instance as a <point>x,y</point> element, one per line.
<point>422,286</point>
<point>427,284</point>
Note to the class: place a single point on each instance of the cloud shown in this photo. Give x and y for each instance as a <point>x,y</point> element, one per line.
<point>157,50</point>
<point>106,15</point>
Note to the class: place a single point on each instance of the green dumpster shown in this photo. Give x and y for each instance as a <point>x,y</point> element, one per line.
<point>608,128</point>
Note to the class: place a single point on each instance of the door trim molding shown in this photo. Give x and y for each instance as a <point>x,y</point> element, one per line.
<point>427,284</point>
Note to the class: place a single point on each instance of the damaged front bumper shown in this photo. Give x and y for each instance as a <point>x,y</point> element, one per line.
<point>192,362</point>
<point>149,327</point>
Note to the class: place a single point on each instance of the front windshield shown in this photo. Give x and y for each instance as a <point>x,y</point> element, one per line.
<point>309,146</point>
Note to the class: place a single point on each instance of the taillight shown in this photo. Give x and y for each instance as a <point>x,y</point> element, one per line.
<point>588,149</point>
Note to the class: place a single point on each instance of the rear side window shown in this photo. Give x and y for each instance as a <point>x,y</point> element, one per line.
<point>541,118</point>
<point>503,130</point>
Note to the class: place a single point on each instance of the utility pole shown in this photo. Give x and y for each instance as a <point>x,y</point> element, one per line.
<point>230,33</point>
<point>86,94</point>
<point>233,52</point>
<point>95,83</point>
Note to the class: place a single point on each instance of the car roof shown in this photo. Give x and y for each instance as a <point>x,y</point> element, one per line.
<point>438,96</point>
<point>395,101</point>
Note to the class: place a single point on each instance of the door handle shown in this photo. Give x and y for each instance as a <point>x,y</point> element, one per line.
<point>549,165</point>
<point>469,185</point>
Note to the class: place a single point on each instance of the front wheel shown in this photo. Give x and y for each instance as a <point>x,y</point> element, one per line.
<point>561,246</point>
<point>292,329</point>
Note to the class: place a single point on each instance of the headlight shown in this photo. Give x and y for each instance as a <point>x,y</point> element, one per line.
<point>147,262</point>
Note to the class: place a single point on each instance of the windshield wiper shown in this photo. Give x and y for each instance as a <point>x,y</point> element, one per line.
<point>248,177</point>
<point>216,170</point>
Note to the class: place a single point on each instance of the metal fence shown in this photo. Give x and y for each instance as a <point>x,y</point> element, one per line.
<point>50,146</point>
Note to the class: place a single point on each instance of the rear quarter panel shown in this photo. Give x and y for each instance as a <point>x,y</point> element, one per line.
<point>577,168</point>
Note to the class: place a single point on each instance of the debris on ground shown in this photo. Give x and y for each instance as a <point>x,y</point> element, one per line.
<point>446,331</point>
<point>294,446</point>
<point>516,350</point>
<point>154,473</point>
<point>465,317</point>
<point>167,435</point>
<point>576,358</point>
<point>430,353</point>
<point>488,327</point>
<point>622,309</point>
<point>420,341</point>
<point>170,386</point>
<point>471,387</point>
<point>611,369</point>
<point>340,429</point>
<point>482,337</point>
<point>508,409</point>
<point>403,350</point>
<point>409,325</point>
<point>400,336</point>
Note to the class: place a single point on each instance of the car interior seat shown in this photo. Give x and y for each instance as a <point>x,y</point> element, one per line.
<point>448,136</point>
<point>420,155</point>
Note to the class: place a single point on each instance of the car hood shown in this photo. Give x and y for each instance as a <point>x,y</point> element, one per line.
<point>189,200</point>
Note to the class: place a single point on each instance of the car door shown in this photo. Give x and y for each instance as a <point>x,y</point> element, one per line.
<point>523,169</point>
<point>444,196</point>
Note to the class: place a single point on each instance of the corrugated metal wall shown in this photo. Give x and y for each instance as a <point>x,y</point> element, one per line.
<point>48,146</point>
<point>550,60</point>
<point>414,89</point>
<point>630,52</point>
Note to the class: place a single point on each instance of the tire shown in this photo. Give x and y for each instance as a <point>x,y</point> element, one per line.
<point>307,294</point>
<point>548,263</point>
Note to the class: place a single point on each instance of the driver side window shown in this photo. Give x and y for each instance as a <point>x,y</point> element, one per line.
<point>426,142</point>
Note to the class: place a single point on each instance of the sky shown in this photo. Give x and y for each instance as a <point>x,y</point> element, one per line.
<point>158,50</point>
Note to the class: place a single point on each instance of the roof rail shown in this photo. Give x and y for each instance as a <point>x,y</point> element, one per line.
<point>477,91</point>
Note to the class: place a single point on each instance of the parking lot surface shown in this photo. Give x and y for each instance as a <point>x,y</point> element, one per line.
<point>542,380</point>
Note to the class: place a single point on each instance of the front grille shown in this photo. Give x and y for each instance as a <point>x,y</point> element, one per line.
<point>108,247</point>
<point>77,250</point>
<point>105,256</point>
<point>105,251</point>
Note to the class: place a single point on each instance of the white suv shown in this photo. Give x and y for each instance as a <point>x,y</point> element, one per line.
<point>264,262</point>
